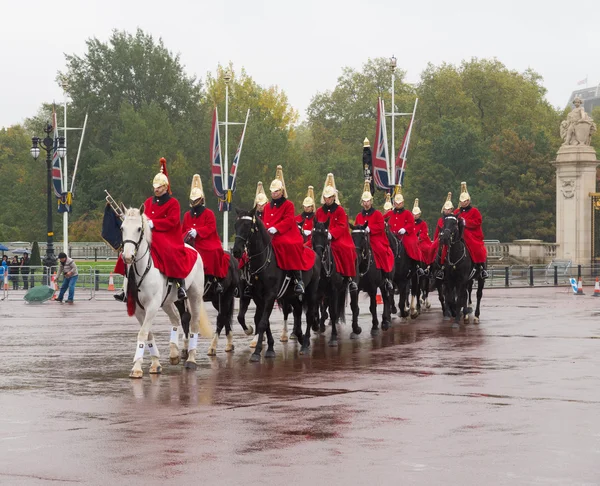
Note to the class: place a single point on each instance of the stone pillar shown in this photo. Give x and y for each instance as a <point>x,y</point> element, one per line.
<point>575,180</point>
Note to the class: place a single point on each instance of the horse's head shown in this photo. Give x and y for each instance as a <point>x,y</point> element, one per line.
<point>452,230</point>
<point>361,239</point>
<point>246,226</point>
<point>320,240</point>
<point>135,232</point>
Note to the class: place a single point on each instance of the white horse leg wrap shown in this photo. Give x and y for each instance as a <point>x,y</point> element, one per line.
<point>139,351</point>
<point>193,343</point>
<point>153,350</point>
<point>174,335</point>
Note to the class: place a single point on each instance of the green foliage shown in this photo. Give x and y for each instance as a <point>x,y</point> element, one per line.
<point>35,260</point>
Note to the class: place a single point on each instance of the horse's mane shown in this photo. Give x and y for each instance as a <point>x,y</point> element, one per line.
<point>135,213</point>
<point>262,231</point>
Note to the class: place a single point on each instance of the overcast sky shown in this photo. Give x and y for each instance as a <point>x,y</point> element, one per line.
<point>302,46</point>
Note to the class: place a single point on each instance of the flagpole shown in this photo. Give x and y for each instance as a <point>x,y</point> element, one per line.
<point>227,78</point>
<point>393,171</point>
<point>65,85</point>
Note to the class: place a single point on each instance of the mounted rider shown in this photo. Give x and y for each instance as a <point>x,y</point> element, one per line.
<point>387,206</point>
<point>422,232</point>
<point>380,245</point>
<point>260,200</point>
<point>305,220</point>
<point>288,244</point>
<point>473,234</point>
<point>402,225</point>
<point>200,231</point>
<point>342,246</point>
<point>440,250</point>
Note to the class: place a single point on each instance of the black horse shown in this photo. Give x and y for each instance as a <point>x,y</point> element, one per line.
<point>406,278</point>
<point>459,270</point>
<point>370,278</point>
<point>269,282</point>
<point>333,285</point>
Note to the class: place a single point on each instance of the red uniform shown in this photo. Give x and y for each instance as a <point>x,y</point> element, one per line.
<point>425,244</point>
<point>384,258</point>
<point>169,254</point>
<point>402,218</point>
<point>388,214</point>
<point>342,245</point>
<point>436,242</point>
<point>473,234</point>
<point>207,242</point>
<point>290,252</point>
<point>305,222</point>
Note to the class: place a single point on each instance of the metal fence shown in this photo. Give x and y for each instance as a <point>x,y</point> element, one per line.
<point>557,273</point>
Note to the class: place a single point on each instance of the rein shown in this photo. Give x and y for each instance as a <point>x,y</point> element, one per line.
<point>268,249</point>
<point>368,255</point>
<point>452,243</point>
<point>136,248</point>
<point>326,258</point>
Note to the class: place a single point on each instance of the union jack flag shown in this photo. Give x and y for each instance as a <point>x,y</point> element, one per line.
<point>57,177</point>
<point>216,164</point>
<point>381,161</point>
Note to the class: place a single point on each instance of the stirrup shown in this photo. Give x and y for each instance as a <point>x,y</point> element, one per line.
<point>218,287</point>
<point>439,275</point>
<point>248,291</point>
<point>121,297</point>
<point>484,273</point>
<point>299,288</point>
<point>352,287</point>
<point>388,285</point>
<point>181,293</point>
<point>420,272</point>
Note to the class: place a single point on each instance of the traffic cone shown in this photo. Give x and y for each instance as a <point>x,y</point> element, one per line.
<point>111,283</point>
<point>579,287</point>
<point>379,298</point>
<point>597,288</point>
<point>5,280</point>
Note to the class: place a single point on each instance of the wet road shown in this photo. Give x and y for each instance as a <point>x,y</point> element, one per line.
<point>514,400</point>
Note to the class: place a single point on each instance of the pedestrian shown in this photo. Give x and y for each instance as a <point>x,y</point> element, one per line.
<point>25,270</point>
<point>3,269</point>
<point>13,272</point>
<point>68,269</point>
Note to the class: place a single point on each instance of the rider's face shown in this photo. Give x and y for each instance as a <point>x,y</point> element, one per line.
<point>329,200</point>
<point>367,204</point>
<point>160,190</point>
<point>465,203</point>
<point>308,209</point>
<point>276,194</point>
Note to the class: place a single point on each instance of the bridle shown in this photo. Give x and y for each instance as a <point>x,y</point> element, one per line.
<point>453,242</point>
<point>268,249</point>
<point>365,251</point>
<point>136,246</point>
<point>326,256</point>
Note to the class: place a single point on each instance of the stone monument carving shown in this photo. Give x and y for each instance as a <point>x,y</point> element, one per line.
<point>576,165</point>
<point>578,128</point>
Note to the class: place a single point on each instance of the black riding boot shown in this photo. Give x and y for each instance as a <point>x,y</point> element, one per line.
<point>218,286</point>
<point>181,293</point>
<point>299,287</point>
<point>482,271</point>
<point>420,271</point>
<point>121,297</point>
<point>440,273</point>
<point>247,291</point>
<point>352,287</point>
<point>388,285</point>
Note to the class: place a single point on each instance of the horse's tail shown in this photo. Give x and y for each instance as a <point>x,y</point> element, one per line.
<point>132,292</point>
<point>204,323</point>
<point>341,310</point>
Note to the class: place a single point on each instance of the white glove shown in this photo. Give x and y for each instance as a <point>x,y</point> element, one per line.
<point>328,235</point>
<point>367,229</point>
<point>150,223</point>
<point>193,233</point>
<point>272,230</point>
<point>402,231</point>
<point>307,232</point>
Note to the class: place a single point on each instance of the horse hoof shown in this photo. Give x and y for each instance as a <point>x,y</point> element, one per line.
<point>353,335</point>
<point>184,354</point>
<point>394,310</point>
<point>253,344</point>
<point>136,374</point>
<point>315,328</point>
<point>283,339</point>
<point>211,352</point>
<point>229,349</point>
<point>269,354</point>
<point>374,332</point>
<point>333,343</point>
<point>249,331</point>
<point>304,349</point>
<point>456,325</point>
<point>293,337</point>
<point>385,325</point>
<point>414,315</point>
<point>475,320</point>
<point>254,358</point>
<point>155,371</point>
<point>175,360</point>
<point>190,365</point>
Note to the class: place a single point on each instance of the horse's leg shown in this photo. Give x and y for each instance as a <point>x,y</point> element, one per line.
<point>461,302</point>
<point>200,322</point>
<point>356,329</point>
<point>480,284</point>
<point>386,317</point>
<point>217,304</point>
<point>402,299</point>
<point>228,300</point>
<point>333,310</point>
<point>155,367</point>
<point>146,318</point>
<point>297,314</point>
<point>241,317</point>
<point>373,309</point>
<point>415,304</point>
<point>284,332</point>
<point>311,319</point>
<point>257,315</point>
<point>174,340</point>
<point>262,326</point>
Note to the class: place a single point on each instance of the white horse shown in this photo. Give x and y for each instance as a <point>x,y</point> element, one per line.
<point>148,290</point>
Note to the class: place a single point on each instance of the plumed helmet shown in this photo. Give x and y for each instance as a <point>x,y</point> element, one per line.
<point>448,204</point>
<point>309,200</point>
<point>366,195</point>
<point>162,178</point>
<point>261,197</point>
<point>329,189</point>
<point>366,142</point>
<point>416,209</point>
<point>197,192</point>
<point>278,183</point>
<point>398,197</point>
<point>464,194</point>
<point>388,202</point>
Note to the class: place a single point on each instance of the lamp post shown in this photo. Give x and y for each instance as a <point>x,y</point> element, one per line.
<point>393,174</point>
<point>227,78</point>
<point>48,144</point>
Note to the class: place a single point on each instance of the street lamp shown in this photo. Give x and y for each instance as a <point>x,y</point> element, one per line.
<point>227,78</point>
<point>393,68</point>
<point>48,144</point>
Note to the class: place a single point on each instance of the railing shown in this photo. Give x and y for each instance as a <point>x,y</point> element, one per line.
<point>558,273</point>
